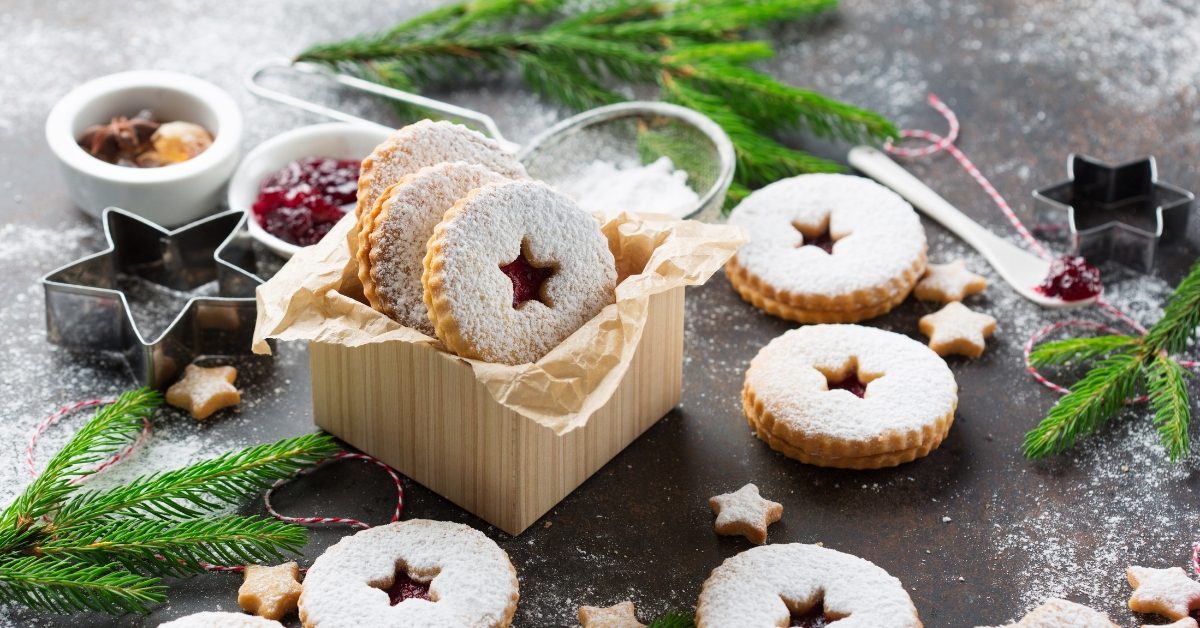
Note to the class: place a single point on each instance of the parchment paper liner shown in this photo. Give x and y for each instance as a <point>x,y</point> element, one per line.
<point>317,297</point>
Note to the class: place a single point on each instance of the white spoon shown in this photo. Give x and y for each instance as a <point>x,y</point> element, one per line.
<point>1020,268</point>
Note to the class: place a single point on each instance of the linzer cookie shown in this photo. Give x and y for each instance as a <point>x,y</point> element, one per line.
<point>1056,613</point>
<point>411,573</point>
<point>849,396</point>
<point>512,270</point>
<point>827,248</point>
<point>801,585</point>
<point>425,143</point>
<point>392,244</point>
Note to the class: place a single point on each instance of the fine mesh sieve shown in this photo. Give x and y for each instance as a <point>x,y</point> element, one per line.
<point>625,134</point>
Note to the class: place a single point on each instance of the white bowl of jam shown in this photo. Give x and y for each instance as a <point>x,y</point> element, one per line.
<point>296,185</point>
<point>169,195</point>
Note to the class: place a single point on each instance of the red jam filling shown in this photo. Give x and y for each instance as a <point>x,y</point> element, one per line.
<point>852,384</point>
<point>812,618</point>
<point>1071,279</point>
<point>405,588</point>
<point>301,202</point>
<point>823,242</point>
<point>526,278</point>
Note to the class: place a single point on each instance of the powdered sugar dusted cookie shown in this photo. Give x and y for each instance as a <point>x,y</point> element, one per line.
<point>203,390</point>
<point>621,615</point>
<point>393,242</point>
<point>512,270</point>
<point>957,329</point>
<point>411,573</point>
<point>949,282</point>
<point>1186,622</point>
<point>849,396</point>
<point>1056,613</point>
<point>827,248</point>
<point>214,619</point>
<point>428,143</point>
<point>744,512</point>
<point>1167,592</point>
<point>270,592</point>
<point>773,585</point>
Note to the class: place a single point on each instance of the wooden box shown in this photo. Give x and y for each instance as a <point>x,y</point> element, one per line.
<point>424,412</point>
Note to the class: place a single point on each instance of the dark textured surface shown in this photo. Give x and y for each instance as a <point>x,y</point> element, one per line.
<point>641,528</point>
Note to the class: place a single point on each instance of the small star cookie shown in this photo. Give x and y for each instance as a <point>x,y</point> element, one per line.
<point>1186,622</point>
<point>1056,613</point>
<point>1167,592</point>
<point>270,592</point>
<point>956,329</point>
<point>204,390</point>
<point>620,615</point>
<point>948,282</point>
<point>745,512</point>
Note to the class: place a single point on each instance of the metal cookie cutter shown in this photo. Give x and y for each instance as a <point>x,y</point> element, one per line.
<point>85,308</point>
<point>1113,211</point>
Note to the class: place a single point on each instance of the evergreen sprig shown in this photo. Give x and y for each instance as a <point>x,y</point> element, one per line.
<point>1123,365</point>
<point>66,549</point>
<point>673,619</point>
<point>584,55</point>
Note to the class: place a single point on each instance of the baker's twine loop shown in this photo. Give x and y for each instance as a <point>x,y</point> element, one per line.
<point>936,143</point>
<point>40,429</point>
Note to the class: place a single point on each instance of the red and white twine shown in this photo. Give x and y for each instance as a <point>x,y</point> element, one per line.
<point>124,453</point>
<point>938,143</point>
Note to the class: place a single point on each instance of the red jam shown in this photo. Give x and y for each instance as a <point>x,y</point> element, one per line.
<point>301,202</point>
<point>1071,279</point>
<point>852,384</point>
<point>812,618</point>
<point>405,588</point>
<point>823,242</point>
<point>526,278</point>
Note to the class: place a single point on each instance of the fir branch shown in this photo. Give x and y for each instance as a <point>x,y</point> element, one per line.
<point>1077,350</point>
<point>673,619</point>
<point>113,427</point>
<point>1175,330</point>
<point>64,586</point>
<point>1091,402</point>
<point>1166,385</point>
<point>202,487</point>
<point>164,548</point>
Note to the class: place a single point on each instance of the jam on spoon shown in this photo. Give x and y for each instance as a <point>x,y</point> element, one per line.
<point>1071,279</point>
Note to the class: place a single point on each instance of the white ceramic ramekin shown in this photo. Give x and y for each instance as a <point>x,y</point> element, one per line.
<point>170,195</point>
<point>340,140</point>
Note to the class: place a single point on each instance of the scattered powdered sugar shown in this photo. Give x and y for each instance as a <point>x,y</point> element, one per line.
<point>749,589</point>
<point>657,187</point>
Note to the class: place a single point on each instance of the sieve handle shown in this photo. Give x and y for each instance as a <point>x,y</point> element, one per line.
<point>453,111</point>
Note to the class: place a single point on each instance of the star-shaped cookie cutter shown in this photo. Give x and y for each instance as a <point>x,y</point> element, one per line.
<point>1113,211</point>
<point>85,308</point>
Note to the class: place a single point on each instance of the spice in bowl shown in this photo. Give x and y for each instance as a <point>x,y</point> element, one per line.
<point>302,201</point>
<point>143,142</point>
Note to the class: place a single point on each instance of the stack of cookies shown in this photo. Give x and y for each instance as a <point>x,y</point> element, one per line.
<point>454,240</point>
<point>827,248</point>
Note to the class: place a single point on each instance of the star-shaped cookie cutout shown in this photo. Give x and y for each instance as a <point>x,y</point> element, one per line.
<point>204,390</point>
<point>956,329</point>
<point>1167,592</point>
<point>745,512</point>
<point>1056,613</point>
<point>270,592</point>
<point>620,615</point>
<point>949,282</point>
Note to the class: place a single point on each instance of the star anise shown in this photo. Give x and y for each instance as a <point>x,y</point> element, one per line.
<point>121,140</point>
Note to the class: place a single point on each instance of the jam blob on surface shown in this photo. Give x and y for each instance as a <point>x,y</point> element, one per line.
<point>1071,279</point>
<point>300,202</point>
<point>405,588</point>
<point>527,279</point>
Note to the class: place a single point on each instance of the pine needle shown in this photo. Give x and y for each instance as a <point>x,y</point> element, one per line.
<point>1091,402</point>
<point>202,487</point>
<point>1175,330</point>
<point>1166,385</point>
<point>1078,350</point>
<point>64,586</point>
<point>673,619</point>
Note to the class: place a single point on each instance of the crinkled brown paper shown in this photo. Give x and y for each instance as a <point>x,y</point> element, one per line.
<point>317,297</point>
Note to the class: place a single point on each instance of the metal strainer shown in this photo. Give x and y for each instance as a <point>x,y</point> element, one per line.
<point>624,134</point>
